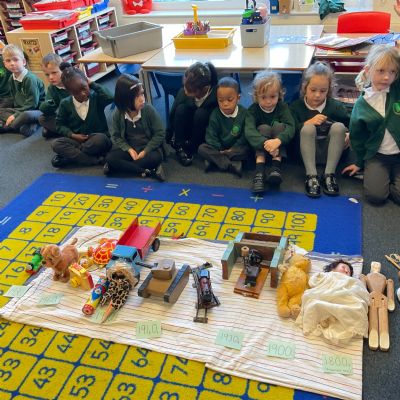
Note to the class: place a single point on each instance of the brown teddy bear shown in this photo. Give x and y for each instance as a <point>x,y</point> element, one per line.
<point>293,283</point>
<point>60,258</point>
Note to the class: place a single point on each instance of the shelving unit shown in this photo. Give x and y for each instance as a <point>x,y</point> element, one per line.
<point>70,43</point>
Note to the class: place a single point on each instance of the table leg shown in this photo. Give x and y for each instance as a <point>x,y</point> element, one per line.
<point>145,78</point>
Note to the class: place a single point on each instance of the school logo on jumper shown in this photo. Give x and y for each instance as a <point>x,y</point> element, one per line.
<point>396,108</point>
<point>235,130</point>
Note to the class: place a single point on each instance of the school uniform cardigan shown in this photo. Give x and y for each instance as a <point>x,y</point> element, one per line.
<point>152,126</point>
<point>256,117</point>
<point>53,98</point>
<point>68,121</point>
<point>367,126</point>
<point>27,94</point>
<point>225,132</point>
<point>334,109</point>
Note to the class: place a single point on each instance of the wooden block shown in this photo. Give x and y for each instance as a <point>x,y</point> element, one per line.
<point>251,291</point>
<point>228,260</point>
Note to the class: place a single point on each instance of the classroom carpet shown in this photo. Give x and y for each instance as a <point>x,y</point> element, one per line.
<point>40,363</point>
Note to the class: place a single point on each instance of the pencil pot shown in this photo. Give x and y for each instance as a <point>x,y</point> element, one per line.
<point>255,35</point>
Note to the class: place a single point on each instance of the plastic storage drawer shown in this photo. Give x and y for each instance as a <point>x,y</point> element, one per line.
<point>126,40</point>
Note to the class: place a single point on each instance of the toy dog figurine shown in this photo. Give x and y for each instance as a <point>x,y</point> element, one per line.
<point>59,259</point>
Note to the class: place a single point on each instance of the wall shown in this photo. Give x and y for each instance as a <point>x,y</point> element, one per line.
<point>233,17</point>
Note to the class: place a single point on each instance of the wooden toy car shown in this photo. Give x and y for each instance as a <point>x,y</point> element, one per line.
<point>80,277</point>
<point>164,280</point>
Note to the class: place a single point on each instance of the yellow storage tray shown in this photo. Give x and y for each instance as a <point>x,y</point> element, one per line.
<point>216,38</point>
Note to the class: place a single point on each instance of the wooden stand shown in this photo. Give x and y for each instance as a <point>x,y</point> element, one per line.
<point>251,291</point>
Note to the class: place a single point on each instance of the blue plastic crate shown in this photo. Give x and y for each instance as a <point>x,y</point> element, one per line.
<point>100,6</point>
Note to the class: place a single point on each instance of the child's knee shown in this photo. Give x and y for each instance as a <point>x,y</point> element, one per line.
<point>308,130</point>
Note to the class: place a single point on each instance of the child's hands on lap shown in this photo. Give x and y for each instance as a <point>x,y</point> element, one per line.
<point>141,155</point>
<point>81,138</point>
<point>317,120</point>
<point>133,154</point>
<point>10,120</point>
<point>351,170</point>
<point>272,145</point>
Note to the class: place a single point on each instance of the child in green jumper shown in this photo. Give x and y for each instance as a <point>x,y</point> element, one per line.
<point>81,121</point>
<point>54,94</point>
<point>137,133</point>
<point>321,123</point>
<point>226,147</point>
<point>5,97</point>
<point>27,91</point>
<point>269,127</point>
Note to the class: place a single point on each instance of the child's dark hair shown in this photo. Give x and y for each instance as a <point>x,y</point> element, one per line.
<point>199,75</point>
<point>52,58</point>
<point>68,73</point>
<point>330,267</point>
<point>127,88</point>
<point>228,82</point>
<point>318,68</point>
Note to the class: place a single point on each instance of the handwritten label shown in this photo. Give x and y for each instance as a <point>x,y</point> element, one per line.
<point>16,291</point>
<point>281,349</point>
<point>148,329</point>
<point>337,364</point>
<point>50,299</point>
<point>228,338</point>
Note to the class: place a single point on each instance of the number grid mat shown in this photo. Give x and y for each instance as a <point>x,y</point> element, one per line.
<point>41,363</point>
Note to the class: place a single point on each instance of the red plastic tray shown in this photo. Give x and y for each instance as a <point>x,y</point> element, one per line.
<point>92,69</point>
<point>55,23</point>
<point>47,5</point>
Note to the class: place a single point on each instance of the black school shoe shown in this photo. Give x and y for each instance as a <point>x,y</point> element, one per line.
<point>274,178</point>
<point>59,162</point>
<point>236,168</point>
<point>159,173</point>
<point>184,158</point>
<point>258,183</point>
<point>330,185</point>
<point>312,186</point>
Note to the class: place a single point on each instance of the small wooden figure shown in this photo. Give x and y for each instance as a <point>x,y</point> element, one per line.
<point>380,304</point>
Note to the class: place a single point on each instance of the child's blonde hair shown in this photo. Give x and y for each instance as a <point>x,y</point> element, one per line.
<point>12,50</point>
<point>264,81</point>
<point>318,68</point>
<point>378,55</point>
<point>53,59</point>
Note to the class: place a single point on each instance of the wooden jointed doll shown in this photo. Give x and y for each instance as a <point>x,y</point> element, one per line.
<point>380,304</point>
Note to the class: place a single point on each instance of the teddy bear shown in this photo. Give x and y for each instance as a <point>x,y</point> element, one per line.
<point>293,283</point>
<point>59,259</point>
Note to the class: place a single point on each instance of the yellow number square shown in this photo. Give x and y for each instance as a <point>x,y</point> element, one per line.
<point>53,233</point>
<point>46,378</point>
<point>184,211</point>
<point>150,221</point>
<point>142,362</point>
<point>119,221</point>
<point>132,206</point>
<point>3,265</point>
<point>204,230</point>
<point>43,214</point>
<point>301,221</point>
<point>15,367</point>
<point>103,354</point>
<point>301,239</point>
<point>175,227</point>
<point>270,218</point>
<point>83,200</point>
<point>67,347</point>
<point>267,231</point>
<point>32,340</point>
<point>59,199</point>
<point>85,383</point>
<point>211,213</point>
<point>69,216</point>
<point>14,274</point>
<point>229,232</point>
<point>95,218</point>
<point>224,383</point>
<point>241,216</point>
<point>10,248</point>
<point>129,388</point>
<point>261,391</point>
<point>170,391</point>
<point>158,208</point>
<point>107,203</point>
<point>27,230</point>
<point>207,395</point>
<point>8,330</point>
<point>183,371</point>
<point>26,255</point>
<point>7,396</point>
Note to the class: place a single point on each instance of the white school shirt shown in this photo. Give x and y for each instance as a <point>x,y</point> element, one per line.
<point>377,100</point>
<point>233,115</point>
<point>21,76</point>
<point>81,108</point>
<point>200,101</point>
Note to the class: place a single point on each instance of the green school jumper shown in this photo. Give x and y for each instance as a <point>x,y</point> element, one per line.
<point>53,98</point>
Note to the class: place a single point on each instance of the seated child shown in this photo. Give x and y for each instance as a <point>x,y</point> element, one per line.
<point>226,147</point>
<point>5,97</point>
<point>54,94</point>
<point>269,127</point>
<point>191,110</point>
<point>81,121</point>
<point>336,305</point>
<point>137,133</point>
<point>27,91</point>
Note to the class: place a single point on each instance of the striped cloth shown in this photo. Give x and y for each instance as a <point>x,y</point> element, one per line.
<point>256,318</point>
